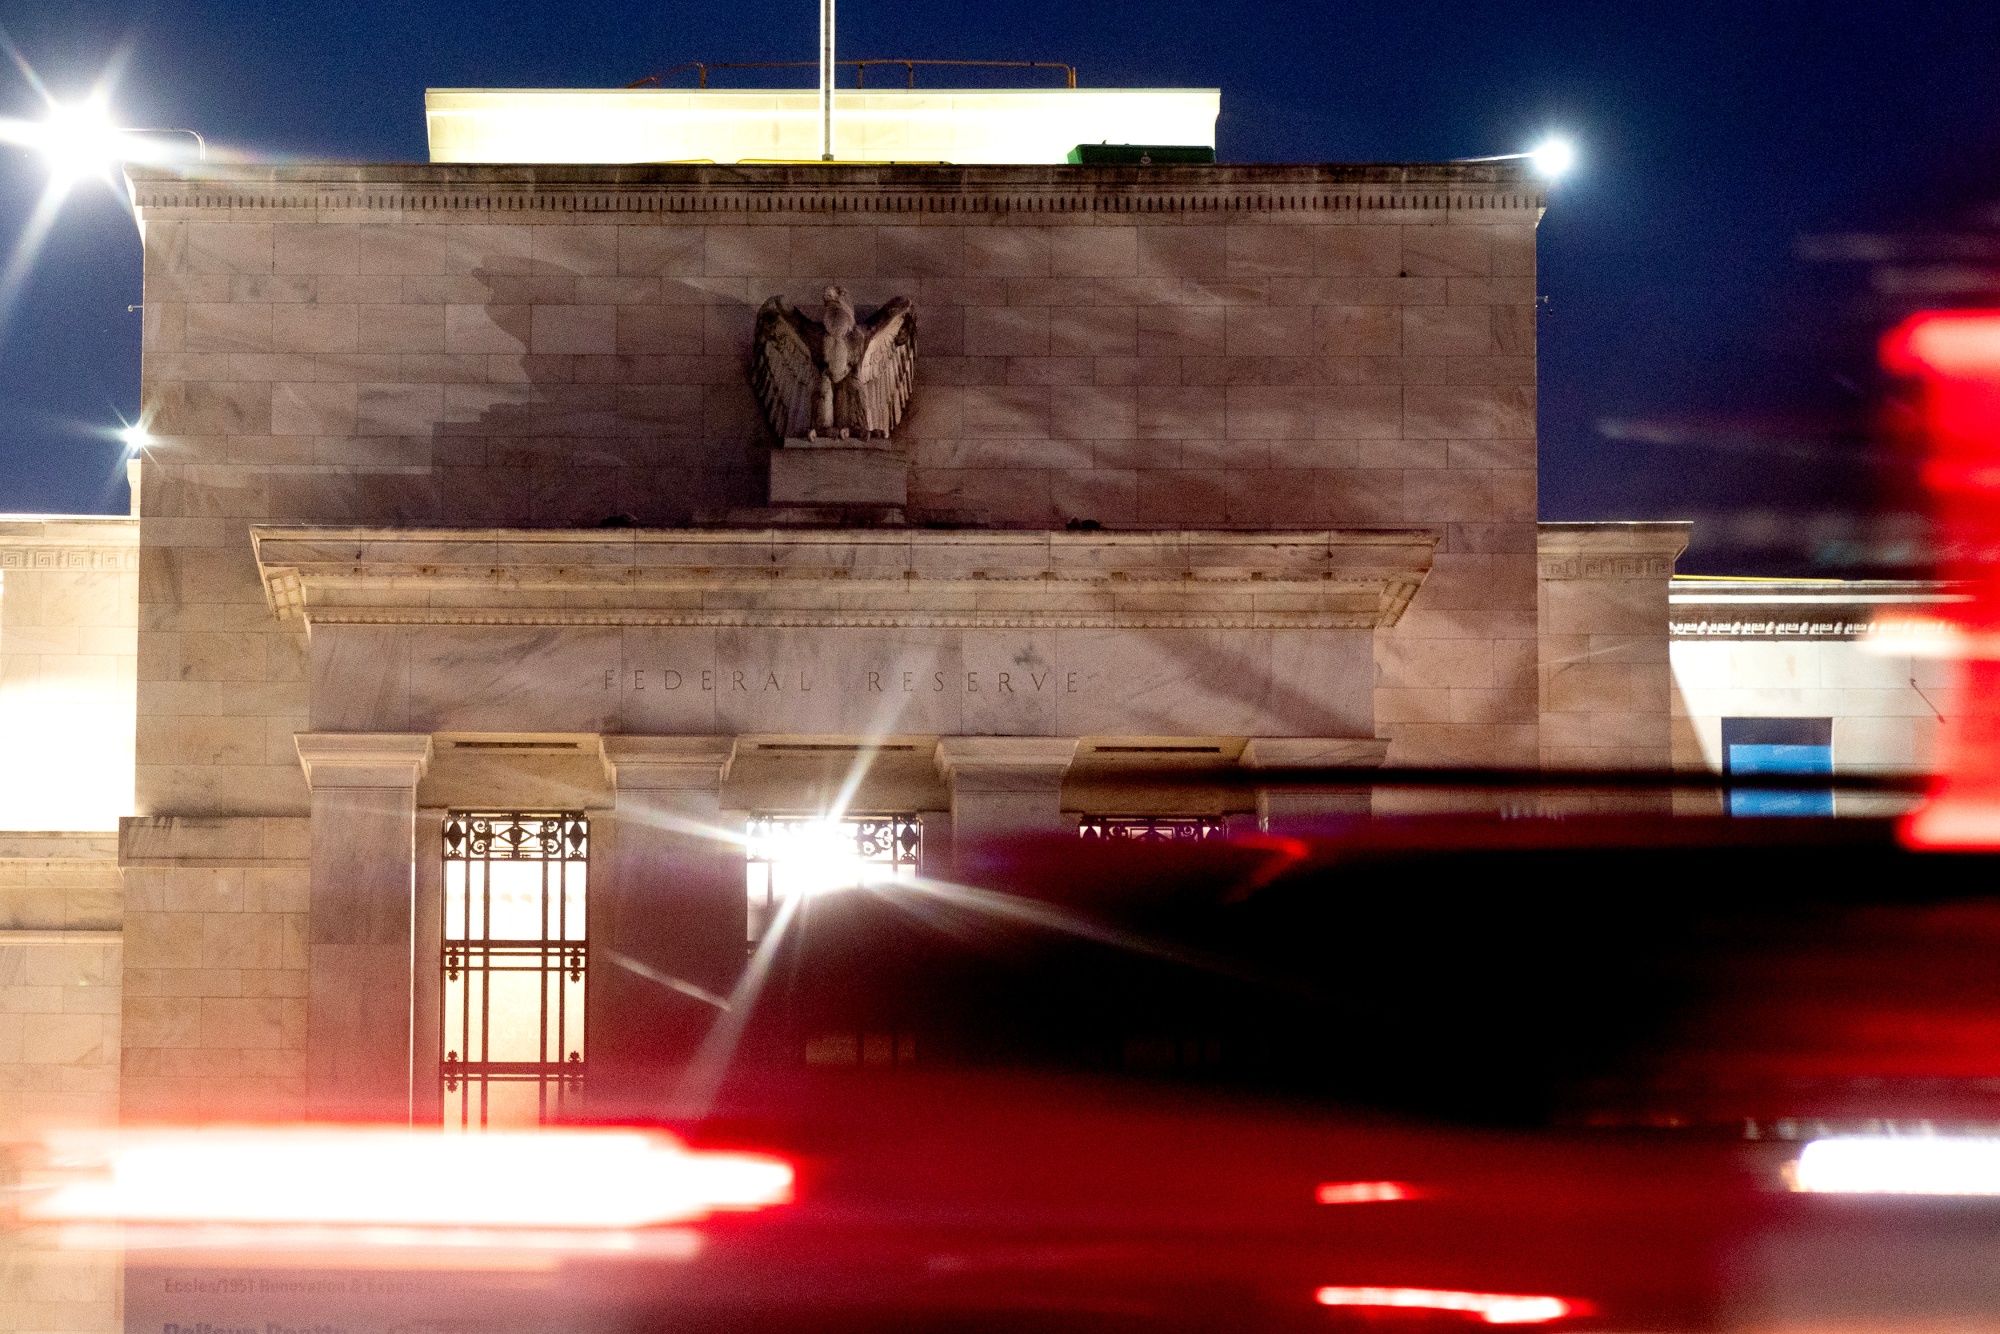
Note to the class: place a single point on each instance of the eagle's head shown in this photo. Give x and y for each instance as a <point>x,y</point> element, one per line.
<point>839,310</point>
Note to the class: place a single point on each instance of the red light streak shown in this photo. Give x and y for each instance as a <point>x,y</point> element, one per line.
<point>1362,1192</point>
<point>390,1183</point>
<point>1495,1308</point>
<point>1956,356</point>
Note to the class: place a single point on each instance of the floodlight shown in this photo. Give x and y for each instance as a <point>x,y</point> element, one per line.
<point>135,437</point>
<point>79,141</point>
<point>1553,157</point>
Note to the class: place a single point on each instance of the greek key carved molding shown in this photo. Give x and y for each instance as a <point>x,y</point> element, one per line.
<point>109,559</point>
<point>1606,567</point>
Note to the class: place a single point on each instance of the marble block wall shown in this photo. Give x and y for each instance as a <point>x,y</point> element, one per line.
<point>1175,347</point>
<point>61,911</point>
<point>1887,707</point>
<point>60,919</point>
<point>215,967</point>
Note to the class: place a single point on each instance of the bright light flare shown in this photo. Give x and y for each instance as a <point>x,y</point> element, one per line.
<point>76,139</point>
<point>134,437</point>
<point>390,1178</point>
<point>79,142</point>
<point>1553,157</point>
<point>811,857</point>
<point>1495,1308</point>
<point>1913,1165</point>
<point>1362,1192</point>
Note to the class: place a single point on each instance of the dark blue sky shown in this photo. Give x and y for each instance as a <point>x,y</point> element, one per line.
<point>1692,362</point>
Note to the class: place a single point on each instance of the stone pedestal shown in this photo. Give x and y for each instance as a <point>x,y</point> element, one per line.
<point>838,472</point>
<point>672,908</point>
<point>1002,787</point>
<point>1278,807</point>
<point>359,1022</point>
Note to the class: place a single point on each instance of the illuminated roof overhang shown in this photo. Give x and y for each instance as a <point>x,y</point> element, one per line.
<point>965,126</point>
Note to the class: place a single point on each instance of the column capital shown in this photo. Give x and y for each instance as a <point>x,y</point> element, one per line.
<point>1004,763</point>
<point>1313,752</point>
<point>685,763</point>
<point>363,759</point>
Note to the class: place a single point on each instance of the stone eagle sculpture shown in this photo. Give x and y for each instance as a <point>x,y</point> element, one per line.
<point>835,376</point>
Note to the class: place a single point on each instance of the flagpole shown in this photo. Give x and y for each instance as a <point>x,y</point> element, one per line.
<point>826,76</point>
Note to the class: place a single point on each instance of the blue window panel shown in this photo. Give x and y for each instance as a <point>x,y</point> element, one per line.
<point>1767,759</point>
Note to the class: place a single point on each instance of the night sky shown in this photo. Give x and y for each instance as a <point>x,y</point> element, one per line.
<point>1762,189</point>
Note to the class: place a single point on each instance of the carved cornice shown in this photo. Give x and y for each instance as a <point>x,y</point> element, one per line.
<point>29,542</point>
<point>862,578</point>
<point>318,188</point>
<point>1824,609</point>
<point>1609,550</point>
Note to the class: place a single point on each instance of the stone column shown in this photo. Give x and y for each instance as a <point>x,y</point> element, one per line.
<point>1278,807</point>
<point>674,911</point>
<point>1002,786</point>
<point>359,1053</point>
<point>1606,683</point>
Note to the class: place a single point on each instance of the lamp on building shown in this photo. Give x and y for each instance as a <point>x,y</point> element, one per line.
<point>78,141</point>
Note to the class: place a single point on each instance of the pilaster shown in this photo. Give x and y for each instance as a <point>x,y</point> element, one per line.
<point>360,1048</point>
<point>1002,786</point>
<point>673,904</point>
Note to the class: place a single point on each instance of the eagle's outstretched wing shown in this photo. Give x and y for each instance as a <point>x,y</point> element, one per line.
<point>784,366</point>
<point>888,370</point>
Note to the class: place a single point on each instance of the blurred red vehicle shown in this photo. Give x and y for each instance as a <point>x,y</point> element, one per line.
<point>1410,1074</point>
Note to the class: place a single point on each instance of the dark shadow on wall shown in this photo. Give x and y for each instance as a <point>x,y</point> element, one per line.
<point>507,437</point>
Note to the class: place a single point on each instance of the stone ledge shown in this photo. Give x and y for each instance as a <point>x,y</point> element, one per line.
<point>32,936</point>
<point>915,578</point>
<point>58,846</point>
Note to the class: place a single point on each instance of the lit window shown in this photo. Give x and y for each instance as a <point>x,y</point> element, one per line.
<point>515,960</point>
<point>1152,828</point>
<point>789,856</point>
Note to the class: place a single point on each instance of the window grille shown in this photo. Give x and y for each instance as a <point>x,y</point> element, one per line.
<point>791,855</point>
<point>515,962</point>
<point>1152,828</point>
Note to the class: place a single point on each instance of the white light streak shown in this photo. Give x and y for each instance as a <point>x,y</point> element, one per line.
<point>1495,1308</point>
<point>316,1175</point>
<point>1910,1165</point>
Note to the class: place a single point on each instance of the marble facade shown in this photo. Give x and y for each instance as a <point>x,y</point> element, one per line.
<point>1243,455</point>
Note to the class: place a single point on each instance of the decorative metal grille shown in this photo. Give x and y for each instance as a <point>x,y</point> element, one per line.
<point>1152,828</point>
<point>515,962</point>
<point>789,855</point>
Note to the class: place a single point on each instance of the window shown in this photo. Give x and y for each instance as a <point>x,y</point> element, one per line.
<point>789,856</point>
<point>1151,828</point>
<point>515,963</point>
<point>1778,746</point>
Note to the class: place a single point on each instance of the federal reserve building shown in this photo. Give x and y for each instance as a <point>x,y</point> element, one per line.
<point>552,561</point>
